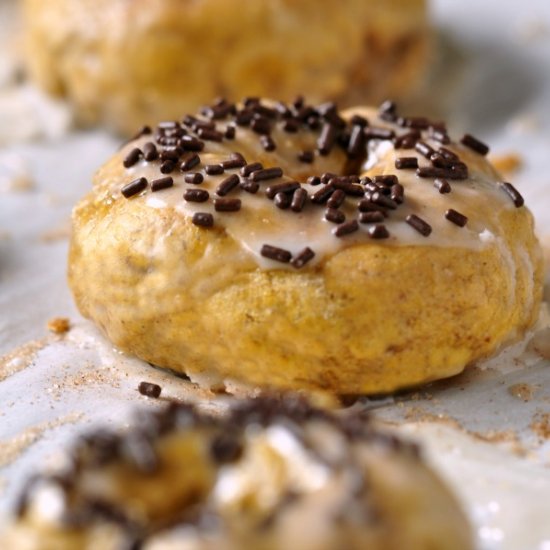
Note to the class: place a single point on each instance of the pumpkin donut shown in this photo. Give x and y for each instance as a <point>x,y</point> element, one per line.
<point>294,246</point>
<point>271,474</point>
<point>123,63</point>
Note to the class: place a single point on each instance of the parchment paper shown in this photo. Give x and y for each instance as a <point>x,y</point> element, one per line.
<point>487,431</point>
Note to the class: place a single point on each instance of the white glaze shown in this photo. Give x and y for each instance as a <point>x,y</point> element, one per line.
<point>260,222</point>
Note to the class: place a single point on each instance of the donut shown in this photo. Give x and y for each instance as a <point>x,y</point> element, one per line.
<point>272,474</point>
<point>297,246</point>
<point>126,63</point>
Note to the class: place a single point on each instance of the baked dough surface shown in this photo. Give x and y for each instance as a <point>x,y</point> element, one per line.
<point>127,63</point>
<point>366,316</point>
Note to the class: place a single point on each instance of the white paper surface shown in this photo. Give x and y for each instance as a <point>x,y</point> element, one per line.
<point>493,77</point>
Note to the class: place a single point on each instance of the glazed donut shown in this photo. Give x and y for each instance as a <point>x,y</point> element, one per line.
<point>295,246</point>
<point>127,63</point>
<point>272,475</point>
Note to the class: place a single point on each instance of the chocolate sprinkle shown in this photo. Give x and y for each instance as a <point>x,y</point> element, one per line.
<point>134,187</point>
<point>440,135</point>
<point>243,118</point>
<point>357,141</point>
<point>286,187</point>
<point>406,141</point>
<point>236,160</point>
<point>423,227</point>
<point>150,151</point>
<point>167,167</point>
<point>358,120</point>
<point>424,149</point>
<point>132,157</point>
<point>303,258</point>
<point>433,172</point>
<point>474,144</point>
<point>190,162</point>
<point>275,253</point>
<point>266,174</point>
<point>418,122</point>
<point>366,205</point>
<point>440,161</point>
<point>249,186</point>
<point>380,199</point>
<point>406,162</point>
<point>227,205</point>
<point>299,198</point>
<point>348,188</point>
<point>322,196</point>
<point>162,183</point>
<point>214,169</point>
<point>261,125</point>
<point>171,154</point>
<point>456,217</point>
<point>442,185</point>
<point>306,157</point>
<point>378,231</point>
<point>371,217</point>
<point>397,193</point>
<point>195,178</point>
<point>335,216</point>
<point>387,179</point>
<point>282,200</point>
<point>196,195</point>
<point>314,180</point>
<point>291,126</point>
<point>448,154</point>
<point>267,143</point>
<point>513,193</point>
<point>203,219</point>
<point>149,389</point>
<point>326,177</point>
<point>326,140</point>
<point>379,133</point>
<point>209,135</point>
<point>249,168</point>
<point>190,143</point>
<point>346,228</point>
<point>230,132</point>
<point>336,199</point>
<point>227,185</point>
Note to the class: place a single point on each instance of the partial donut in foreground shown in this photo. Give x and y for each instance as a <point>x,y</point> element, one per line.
<point>272,475</point>
<point>294,246</point>
<point>123,63</point>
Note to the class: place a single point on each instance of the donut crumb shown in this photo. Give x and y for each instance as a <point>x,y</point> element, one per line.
<point>59,325</point>
<point>508,163</point>
<point>522,391</point>
<point>541,426</point>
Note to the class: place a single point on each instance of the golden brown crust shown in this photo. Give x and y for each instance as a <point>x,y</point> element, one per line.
<point>127,63</point>
<point>391,322</point>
